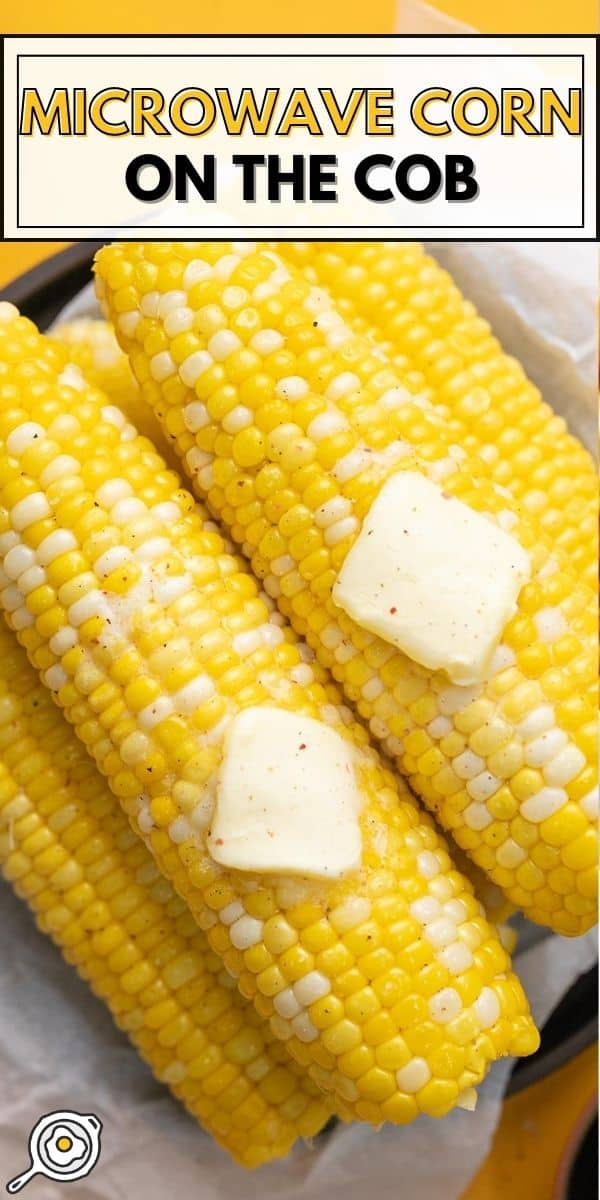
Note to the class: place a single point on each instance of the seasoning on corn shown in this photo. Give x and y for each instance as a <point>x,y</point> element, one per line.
<point>388,985</point>
<point>290,425</point>
<point>399,293</point>
<point>91,344</point>
<point>67,849</point>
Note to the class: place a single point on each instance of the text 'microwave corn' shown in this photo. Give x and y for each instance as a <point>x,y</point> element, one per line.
<point>491,408</point>
<point>69,852</point>
<point>388,983</point>
<point>289,424</point>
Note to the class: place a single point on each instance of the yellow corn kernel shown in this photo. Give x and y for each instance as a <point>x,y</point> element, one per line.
<point>447,352</point>
<point>166,1030</point>
<point>344,386</point>
<point>181,613</point>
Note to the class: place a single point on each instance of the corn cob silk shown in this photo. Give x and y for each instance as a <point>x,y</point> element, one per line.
<point>386,983</point>
<point>398,294</point>
<point>290,425</point>
<point>69,852</point>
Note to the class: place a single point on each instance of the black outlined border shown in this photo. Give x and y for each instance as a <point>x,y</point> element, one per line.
<point>292,230</point>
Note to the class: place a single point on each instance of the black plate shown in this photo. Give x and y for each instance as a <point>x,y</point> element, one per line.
<point>40,294</point>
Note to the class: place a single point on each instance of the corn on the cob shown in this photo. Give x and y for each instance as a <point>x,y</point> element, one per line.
<point>388,984</point>
<point>68,850</point>
<point>290,425</point>
<point>91,344</point>
<point>491,408</point>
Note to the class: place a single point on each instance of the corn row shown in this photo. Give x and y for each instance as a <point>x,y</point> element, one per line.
<point>491,408</point>
<point>103,363</point>
<point>91,346</point>
<point>289,425</point>
<point>388,984</point>
<point>68,851</point>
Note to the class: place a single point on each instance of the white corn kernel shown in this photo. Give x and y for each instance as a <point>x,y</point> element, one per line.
<point>109,493</point>
<point>23,436</point>
<point>327,424</point>
<point>195,416</point>
<point>55,677</point>
<point>487,1008</point>
<point>170,301</point>
<point>149,304</point>
<point>61,541</point>
<point>551,624</point>
<point>414,1076</point>
<point>113,558</point>
<point>187,699</point>
<point>311,987</point>
<point>239,418</point>
<point>544,804</point>
<point>156,712</point>
<point>427,908</point>
<point>128,322</point>
<point>589,804</point>
<point>222,344</point>
<point>349,913</point>
<point>162,366</point>
<point>153,549</point>
<point>91,605</point>
<point>128,509</point>
<point>564,767</point>
<point>22,619</point>
<point>29,510</point>
<point>351,464</point>
<point>439,727</point>
<point>292,387</point>
<point>510,854</point>
<point>304,1029</point>
<point>342,385</point>
<point>482,786</point>
<point>334,534</point>
<point>440,933</point>
<point>477,816</point>
<point>18,560</point>
<point>540,751</point>
<point>456,958</point>
<point>445,1005</point>
<point>194,366</point>
<point>195,272</point>
<point>266,341</point>
<point>179,320</point>
<point>333,510</point>
<point>285,1004</point>
<point>427,864</point>
<point>537,722</point>
<point>467,765</point>
<point>246,932</point>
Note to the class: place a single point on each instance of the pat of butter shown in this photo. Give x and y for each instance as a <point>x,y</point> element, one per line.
<point>287,797</point>
<point>433,577</point>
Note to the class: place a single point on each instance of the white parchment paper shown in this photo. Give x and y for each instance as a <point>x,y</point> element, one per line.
<point>58,1047</point>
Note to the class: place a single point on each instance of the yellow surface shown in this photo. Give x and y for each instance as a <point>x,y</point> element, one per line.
<point>513,16</point>
<point>534,1134</point>
<point>218,16</point>
<point>270,16</point>
<point>17,257</point>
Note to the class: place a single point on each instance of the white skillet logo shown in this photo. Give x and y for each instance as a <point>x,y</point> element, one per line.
<point>63,1146</point>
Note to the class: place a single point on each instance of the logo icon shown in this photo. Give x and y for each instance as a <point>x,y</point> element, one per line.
<point>62,1146</point>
